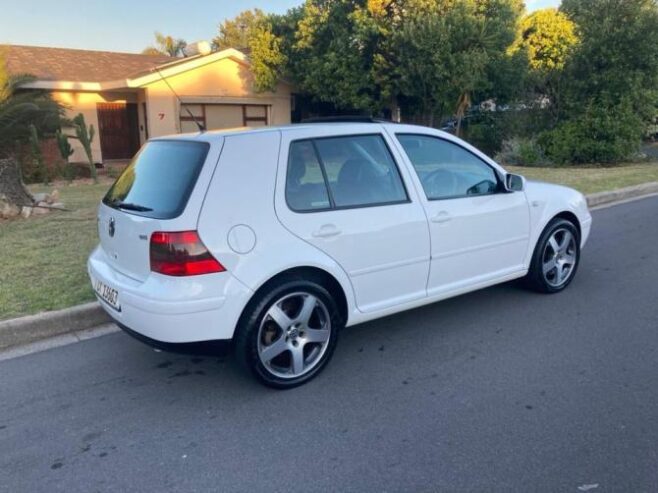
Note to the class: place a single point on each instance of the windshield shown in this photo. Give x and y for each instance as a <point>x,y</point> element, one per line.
<point>158,181</point>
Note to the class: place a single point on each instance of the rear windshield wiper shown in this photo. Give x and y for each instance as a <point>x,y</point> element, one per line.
<point>130,206</point>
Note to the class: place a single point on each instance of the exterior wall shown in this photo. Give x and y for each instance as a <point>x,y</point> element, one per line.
<point>85,103</point>
<point>222,81</point>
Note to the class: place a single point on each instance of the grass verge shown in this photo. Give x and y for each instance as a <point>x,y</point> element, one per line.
<point>43,258</point>
<point>592,179</point>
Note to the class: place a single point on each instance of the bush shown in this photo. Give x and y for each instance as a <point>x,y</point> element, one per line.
<point>599,135</point>
<point>519,151</point>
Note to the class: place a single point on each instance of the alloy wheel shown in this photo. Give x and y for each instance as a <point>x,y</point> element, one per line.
<point>294,335</point>
<point>559,257</point>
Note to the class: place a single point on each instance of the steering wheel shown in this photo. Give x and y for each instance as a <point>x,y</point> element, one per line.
<point>475,189</point>
<point>441,183</point>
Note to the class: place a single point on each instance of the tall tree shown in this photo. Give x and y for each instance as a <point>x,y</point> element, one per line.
<point>610,84</point>
<point>238,32</point>
<point>166,45</point>
<point>546,38</point>
<point>267,57</point>
<point>449,56</point>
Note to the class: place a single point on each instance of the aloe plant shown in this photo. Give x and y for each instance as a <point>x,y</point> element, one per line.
<point>85,134</point>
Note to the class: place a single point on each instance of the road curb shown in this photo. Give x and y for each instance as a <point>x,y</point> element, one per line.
<point>602,198</point>
<point>24,330</point>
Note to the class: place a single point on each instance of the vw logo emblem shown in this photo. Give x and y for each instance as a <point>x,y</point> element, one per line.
<point>111,227</point>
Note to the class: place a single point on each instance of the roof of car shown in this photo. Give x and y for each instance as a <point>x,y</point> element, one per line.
<point>210,135</point>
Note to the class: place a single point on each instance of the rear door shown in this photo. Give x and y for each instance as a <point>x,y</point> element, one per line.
<point>346,195</point>
<point>154,193</point>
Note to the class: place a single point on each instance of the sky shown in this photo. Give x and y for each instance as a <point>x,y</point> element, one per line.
<point>128,25</point>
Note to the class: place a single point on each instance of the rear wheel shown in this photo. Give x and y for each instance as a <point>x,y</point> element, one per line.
<point>288,333</point>
<point>556,257</point>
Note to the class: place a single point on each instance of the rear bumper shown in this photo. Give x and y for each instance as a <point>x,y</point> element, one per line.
<point>211,348</point>
<point>170,309</point>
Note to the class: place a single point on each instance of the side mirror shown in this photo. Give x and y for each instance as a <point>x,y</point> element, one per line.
<point>514,183</point>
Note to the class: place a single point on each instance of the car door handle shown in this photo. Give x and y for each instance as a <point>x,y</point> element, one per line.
<point>441,217</point>
<point>326,231</point>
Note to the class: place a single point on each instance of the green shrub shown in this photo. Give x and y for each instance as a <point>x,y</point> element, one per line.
<point>599,135</point>
<point>520,151</point>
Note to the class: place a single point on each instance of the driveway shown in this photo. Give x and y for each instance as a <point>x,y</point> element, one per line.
<point>499,390</point>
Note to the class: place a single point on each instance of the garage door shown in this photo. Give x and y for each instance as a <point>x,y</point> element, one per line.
<point>221,116</point>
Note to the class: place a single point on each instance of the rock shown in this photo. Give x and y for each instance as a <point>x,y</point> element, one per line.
<point>40,197</point>
<point>53,197</point>
<point>58,205</point>
<point>26,212</point>
<point>8,210</point>
<point>40,211</point>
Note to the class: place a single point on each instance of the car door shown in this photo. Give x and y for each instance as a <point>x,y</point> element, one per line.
<point>479,231</point>
<point>346,195</point>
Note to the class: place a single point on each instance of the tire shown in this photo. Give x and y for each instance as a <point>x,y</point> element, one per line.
<point>556,257</point>
<point>288,332</point>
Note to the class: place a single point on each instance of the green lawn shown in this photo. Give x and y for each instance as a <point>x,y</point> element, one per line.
<point>591,180</point>
<point>42,259</point>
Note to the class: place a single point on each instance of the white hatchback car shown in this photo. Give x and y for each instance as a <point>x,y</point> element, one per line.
<point>276,238</point>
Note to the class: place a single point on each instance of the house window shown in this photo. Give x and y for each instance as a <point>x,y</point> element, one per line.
<point>191,113</point>
<point>222,116</point>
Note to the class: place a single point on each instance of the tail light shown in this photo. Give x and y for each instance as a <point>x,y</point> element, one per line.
<point>181,253</point>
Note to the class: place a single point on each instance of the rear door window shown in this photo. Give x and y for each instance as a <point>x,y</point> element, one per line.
<point>159,180</point>
<point>342,172</point>
<point>305,187</point>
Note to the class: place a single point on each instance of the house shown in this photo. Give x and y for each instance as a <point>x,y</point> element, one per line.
<point>129,97</point>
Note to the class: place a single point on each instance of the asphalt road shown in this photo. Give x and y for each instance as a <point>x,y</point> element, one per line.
<point>500,390</point>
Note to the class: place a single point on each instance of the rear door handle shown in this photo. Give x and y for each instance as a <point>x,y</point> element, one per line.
<point>441,217</point>
<point>326,231</point>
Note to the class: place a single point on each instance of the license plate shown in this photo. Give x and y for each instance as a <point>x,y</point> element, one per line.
<point>107,294</point>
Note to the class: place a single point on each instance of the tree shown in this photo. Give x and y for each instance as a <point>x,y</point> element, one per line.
<point>266,57</point>
<point>85,135</point>
<point>546,38</point>
<point>611,80</point>
<point>448,56</point>
<point>166,45</point>
<point>19,112</point>
<point>237,33</point>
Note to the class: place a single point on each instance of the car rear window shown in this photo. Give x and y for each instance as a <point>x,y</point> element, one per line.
<point>158,181</point>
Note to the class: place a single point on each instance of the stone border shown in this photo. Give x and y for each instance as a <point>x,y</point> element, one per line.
<point>25,330</point>
<point>601,198</point>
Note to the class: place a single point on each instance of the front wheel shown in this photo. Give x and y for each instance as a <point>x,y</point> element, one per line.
<point>288,334</point>
<point>556,257</point>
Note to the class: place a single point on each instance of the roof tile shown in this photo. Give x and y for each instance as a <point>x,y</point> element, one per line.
<point>63,64</point>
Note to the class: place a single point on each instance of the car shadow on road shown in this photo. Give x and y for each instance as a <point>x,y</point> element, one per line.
<point>425,335</point>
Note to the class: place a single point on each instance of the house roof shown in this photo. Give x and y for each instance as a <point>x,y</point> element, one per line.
<point>63,64</point>
<point>85,70</point>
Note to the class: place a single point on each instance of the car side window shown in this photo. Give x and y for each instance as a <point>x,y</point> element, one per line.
<point>447,170</point>
<point>305,186</point>
<point>342,172</point>
<point>360,171</point>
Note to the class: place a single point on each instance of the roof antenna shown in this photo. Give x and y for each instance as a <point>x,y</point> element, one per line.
<point>196,122</point>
